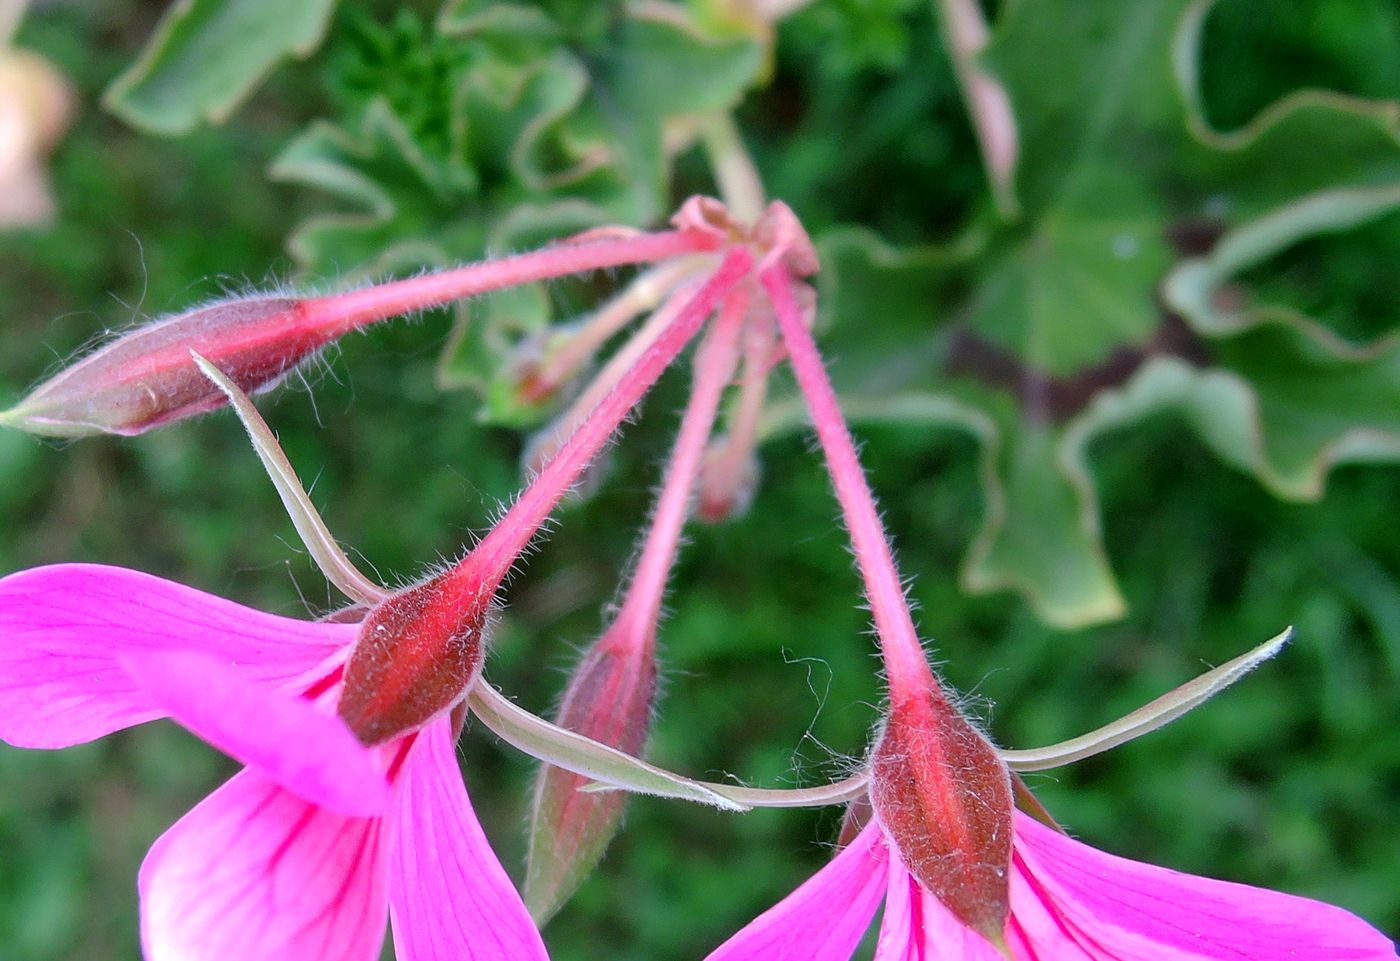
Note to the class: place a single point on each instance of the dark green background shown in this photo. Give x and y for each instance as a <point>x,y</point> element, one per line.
<point>1292,780</point>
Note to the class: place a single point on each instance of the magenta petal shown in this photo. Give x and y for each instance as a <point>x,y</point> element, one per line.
<point>449,898</point>
<point>63,630</point>
<point>917,927</point>
<point>825,918</point>
<point>255,872</point>
<point>306,750</point>
<point>1127,911</point>
<point>902,927</point>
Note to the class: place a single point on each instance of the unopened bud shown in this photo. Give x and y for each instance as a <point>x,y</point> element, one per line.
<point>944,797</point>
<point>147,377</point>
<point>609,698</point>
<point>522,391</point>
<point>728,481</point>
<point>418,654</point>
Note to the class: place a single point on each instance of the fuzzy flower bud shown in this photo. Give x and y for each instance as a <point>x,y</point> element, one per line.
<point>728,482</point>
<point>944,797</point>
<point>609,698</point>
<point>417,655</point>
<point>146,377</point>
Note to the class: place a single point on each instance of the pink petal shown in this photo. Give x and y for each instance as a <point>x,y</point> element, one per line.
<point>1036,929</point>
<point>449,898</point>
<point>255,872</point>
<point>825,918</point>
<point>63,630</point>
<point>917,927</point>
<point>1113,908</point>
<point>902,927</point>
<point>308,751</point>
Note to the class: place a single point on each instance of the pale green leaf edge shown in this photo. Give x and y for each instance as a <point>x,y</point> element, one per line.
<point>1189,289</point>
<point>1162,384</point>
<point>120,97</point>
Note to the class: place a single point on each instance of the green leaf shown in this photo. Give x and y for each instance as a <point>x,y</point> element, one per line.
<point>1099,307</point>
<point>207,56</point>
<point>499,127</point>
<point>1313,399</point>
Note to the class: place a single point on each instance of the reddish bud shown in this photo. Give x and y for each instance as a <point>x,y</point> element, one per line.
<point>609,698</point>
<point>728,482</point>
<point>417,655</point>
<point>146,377</point>
<point>943,795</point>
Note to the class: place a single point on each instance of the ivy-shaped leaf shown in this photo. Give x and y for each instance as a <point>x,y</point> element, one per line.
<point>207,56</point>
<point>1059,327</point>
<point>497,128</point>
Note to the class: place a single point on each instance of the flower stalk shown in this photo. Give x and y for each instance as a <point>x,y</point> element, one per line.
<point>611,695</point>
<point>145,378</point>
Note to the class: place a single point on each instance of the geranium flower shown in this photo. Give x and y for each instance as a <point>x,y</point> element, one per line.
<point>964,875</point>
<point>1069,902</point>
<point>305,853</point>
<point>351,807</point>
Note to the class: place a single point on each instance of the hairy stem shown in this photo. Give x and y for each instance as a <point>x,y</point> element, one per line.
<point>740,186</point>
<point>725,470</point>
<point>340,313</point>
<point>488,563</point>
<point>641,295</point>
<point>908,668</point>
<point>714,365</point>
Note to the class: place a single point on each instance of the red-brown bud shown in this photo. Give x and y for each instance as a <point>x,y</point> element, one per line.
<point>417,655</point>
<point>943,795</point>
<point>146,377</point>
<point>609,698</point>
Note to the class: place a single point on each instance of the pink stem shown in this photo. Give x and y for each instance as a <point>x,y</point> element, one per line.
<point>339,313</point>
<point>641,295</point>
<point>635,625</point>
<point>488,564</point>
<point>725,471</point>
<point>548,441</point>
<point>908,668</point>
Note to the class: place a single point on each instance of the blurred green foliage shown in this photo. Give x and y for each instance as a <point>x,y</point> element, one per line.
<point>1291,780</point>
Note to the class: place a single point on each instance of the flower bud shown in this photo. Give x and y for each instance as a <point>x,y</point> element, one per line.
<point>146,377</point>
<point>417,655</point>
<point>728,482</point>
<point>609,698</point>
<point>944,797</point>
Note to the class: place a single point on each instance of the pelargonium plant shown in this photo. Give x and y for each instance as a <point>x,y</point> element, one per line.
<point>350,808</point>
<point>553,131</point>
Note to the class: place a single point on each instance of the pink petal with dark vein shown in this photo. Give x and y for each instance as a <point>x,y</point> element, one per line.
<point>64,630</point>
<point>449,897</point>
<point>256,872</point>
<point>917,927</point>
<point>306,750</point>
<point>1110,908</point>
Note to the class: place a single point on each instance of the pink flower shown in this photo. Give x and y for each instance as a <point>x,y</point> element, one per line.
<point>962,873</point>
<point>1069,902</point>
<point>303,855</point>
<point>352,806</point>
